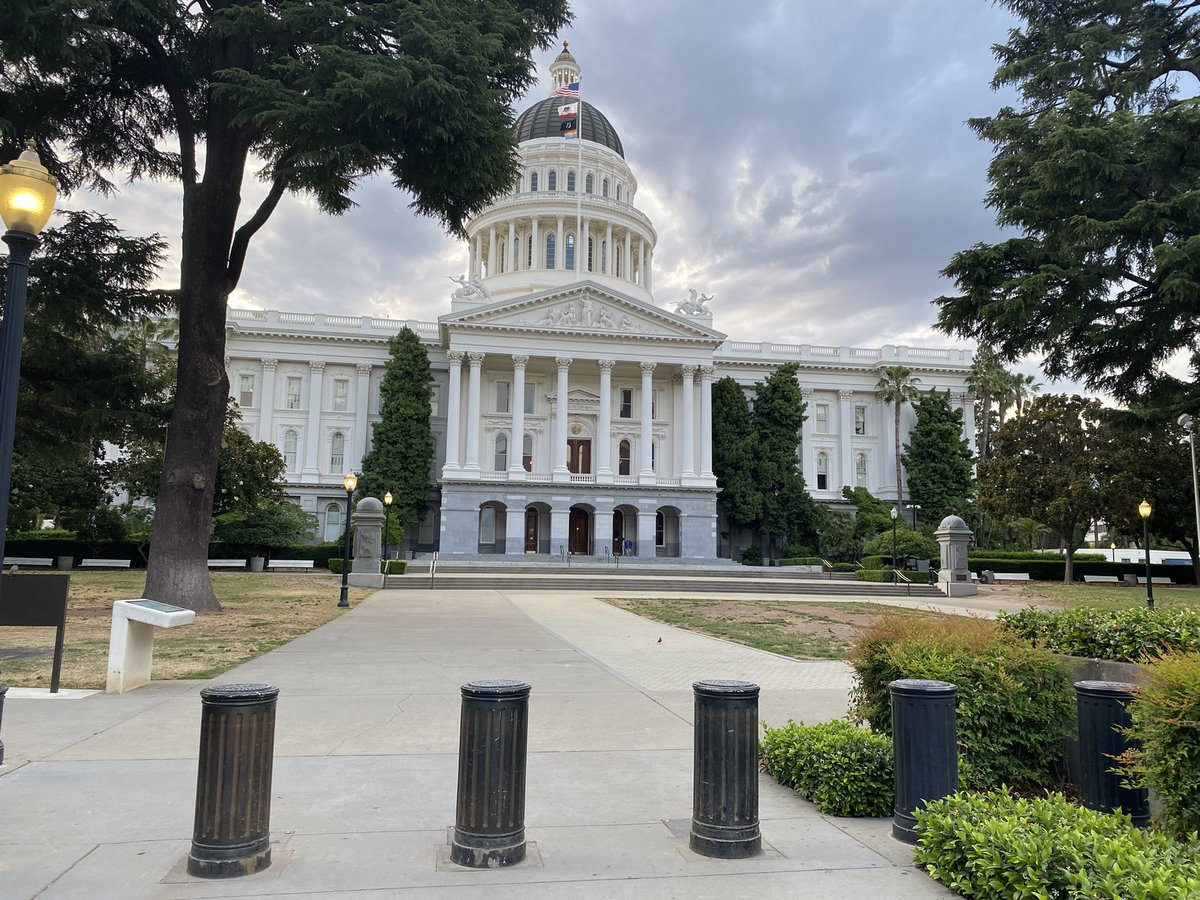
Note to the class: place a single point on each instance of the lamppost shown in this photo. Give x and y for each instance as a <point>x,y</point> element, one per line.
<point>914,507</point>
<point>1113,548</point>
<point>387,520</point>
<point>895,515</point>
<point>1144,509</point>
<point>350,482</point>
<point>27,193</point>
<point>1186,421</point>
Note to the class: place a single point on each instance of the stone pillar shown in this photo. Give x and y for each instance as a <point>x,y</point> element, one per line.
<point>516,441</point>
<point>453,411</point>
<point>642,261</point>
<point>535,261</point>
<point>362,399</point>
<point>477,254</point>
<point>266,402</point>
<point>514,531</point>
<point>491,257</point>
<point>475,361</point>
<point>511,248</point>
<point>967,405</point>
<point>312,438</point>
<point>808,457</point>
<point>366,569</point>
<point>845,435</point>
<point>604,472</point>
<point>650,271</point>
<point>689,425</point>
<point>954,578</point>
<point>627,272</point>
<point>561,473</point>
<point>602,525</point>
<point>581,243</point>
<point>560,247</point>
<point>582,249</point>
<point>608,250</point>
<point>645,533</point>
<point>560,520</point>
<point>706,425</point>
<point>646,472</point>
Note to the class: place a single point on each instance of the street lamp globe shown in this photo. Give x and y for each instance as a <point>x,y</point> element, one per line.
<point>350,482</point>
<point>894,514</point>
<point>387,498</point>
<point>1144,509</point>
<point>27,193</point>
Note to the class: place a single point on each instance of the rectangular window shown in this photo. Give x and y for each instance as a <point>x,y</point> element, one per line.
<point>821,418</point>
<point>503,390</point>
<point>293,393</point>
<point>341,394</point>
<point>529,397</point>
<point>435,396</point>
<point>527,453</point>
<point>860,420</point>
<point>246,391</point>
<point>822,472</point>
<point>626,403</point>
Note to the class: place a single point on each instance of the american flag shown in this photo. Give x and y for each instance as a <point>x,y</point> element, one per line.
<point>571,90</point>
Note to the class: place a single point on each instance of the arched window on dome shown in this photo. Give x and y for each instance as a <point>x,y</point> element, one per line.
<point>604,188</point>
<point>520,183</point>
<point>552,180</point>
<point>501,247</point>
<point>618,192</point>
<point>587,184</point>
<point>550,251</point>
<point>618,260</point>
<point>529,252</point>
<point>571,181</point>
<point>590,258</point>
<point>569,262</point>
<point>533,181</point>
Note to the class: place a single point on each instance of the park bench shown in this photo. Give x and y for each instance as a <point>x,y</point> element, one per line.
<point>1101,579</point>
<point>27,561</point>
<point>1010,576</point>
<point>1158,579</point>
<point>290,564</point>
<point>39,600</point>
<point>131,640</point>
<point>227,564</point>
<point>105,564</point>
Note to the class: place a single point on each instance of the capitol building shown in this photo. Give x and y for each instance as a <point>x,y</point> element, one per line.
<point>571,408</point>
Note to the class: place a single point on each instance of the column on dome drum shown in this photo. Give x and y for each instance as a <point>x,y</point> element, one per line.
<point>1103,713</point>
<point>489,820</point>
<point>232,834</point>
<point>925,734</point>
<point>725,770</point>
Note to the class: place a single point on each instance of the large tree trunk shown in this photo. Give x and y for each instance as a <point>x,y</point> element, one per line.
<point>1068,569</point>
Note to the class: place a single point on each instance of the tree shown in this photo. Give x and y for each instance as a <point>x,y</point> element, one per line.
<point>941,479</point>
<point>908,543</point>
<point>735,456</point>
<point>776,418</point>
<point>897,386</point>
<point>1024,388</point>
<point>985,374</point>
<point>1045,466</point>
<point>322,92</point>
<point>269,524</point>
<point>871,515</point>
<point>402,445</point>
<point>1098,170</point>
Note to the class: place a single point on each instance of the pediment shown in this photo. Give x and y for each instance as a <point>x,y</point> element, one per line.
<point>584,309</point>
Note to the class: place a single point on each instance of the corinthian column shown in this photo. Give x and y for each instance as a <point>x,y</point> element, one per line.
<point>473,424</point>
<point>604,472</point>
<point>312,442</point>
<point>266,403</point>
<point>516,441</point>
<point>453,412</point>
<point>362,396</point>
<point>561,473</point>
<point>706,424</point>
<point>689,424</point>
<point>646,474</point>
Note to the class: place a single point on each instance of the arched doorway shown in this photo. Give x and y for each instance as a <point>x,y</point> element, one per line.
<point>667,531</point>
<point>624,529</point>
<point>579,532</point>
<point>537,528</point>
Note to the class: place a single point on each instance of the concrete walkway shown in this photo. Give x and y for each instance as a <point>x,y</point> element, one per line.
<point>96,798</point>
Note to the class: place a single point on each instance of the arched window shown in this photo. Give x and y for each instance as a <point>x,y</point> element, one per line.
<point>503,257</point>
<point>552,180</point>
<point>604,188</point>
<point>653,456</point>
<point>529,252</point>
<point>860,470</point>
<point>520,183</point>
<point>822,471</point>
<point>569,263</point>
<point>604,256</point>
<point>487,525</point>
<point>333,523</point>
<point>623,458</point>
<point>618,192</point>
<point>533,181</point>
<point>587,184</point>
<point>617,256</point>
<point>527,453</point>
<point>290,440</point>
<point>590,259</point>
<point>337,452</point>
<point>550,251</point>
<point>571,180</point>
<point>501,460</point>
<point>660,529</point>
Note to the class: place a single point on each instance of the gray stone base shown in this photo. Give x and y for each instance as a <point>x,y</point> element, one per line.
<point>957,588</point>
<point>365,579</point>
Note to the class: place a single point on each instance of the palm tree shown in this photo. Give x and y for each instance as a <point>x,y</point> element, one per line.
<point>897,385</point>
<point>1024,387</point>
<point>982,379</point>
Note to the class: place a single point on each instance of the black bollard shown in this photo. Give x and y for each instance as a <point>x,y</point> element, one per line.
<point>232,834</point>
<point>489,825</point>
<point>924,734</point>
<point>3,691</point>
<point>725,771</point>
<point>1102,712</point>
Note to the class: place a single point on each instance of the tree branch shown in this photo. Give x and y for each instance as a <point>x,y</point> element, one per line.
<point>184,125</point>
<point>241,237</point>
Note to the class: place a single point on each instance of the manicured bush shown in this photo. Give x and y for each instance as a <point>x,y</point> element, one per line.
<point>874,575</point>
<point>908,543</point>
<point>801,561</point>
<point>995,846</point>
<point>876,562</point>
<point>1015,702</point>
<point>752,555</point>
<point>1127,635</point>
<point>1052,569</point>
<point>1166,720</point>
<point>844,567</point>
<point>1034,555</point>
<point>843,769</point>
<point>395,566</point>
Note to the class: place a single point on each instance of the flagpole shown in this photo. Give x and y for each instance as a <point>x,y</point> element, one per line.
<point>579,185</point>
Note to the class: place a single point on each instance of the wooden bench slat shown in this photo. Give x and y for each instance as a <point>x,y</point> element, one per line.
<point>105,563</point>
<point>291,564</point>
<point>27,561</point>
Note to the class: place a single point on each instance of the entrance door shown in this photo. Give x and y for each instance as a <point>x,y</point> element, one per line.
<point>579,455</point>
<point>618,535</point>
<point>579,540</point>
<point>531,531</point>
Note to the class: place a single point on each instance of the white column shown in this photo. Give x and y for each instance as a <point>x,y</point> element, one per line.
<point>627,272</point>
<point>650,271</point>
<point>511,249</point>
<point>645,533</point>
<point>560,247</point>
<point>514,531</point>
<point>845,430</point>
<point>453,412</point>
<point>967,405</point>
<point>362,398</point>
<point>608,250</point>
<point>581,245</point>
<point>537,261</point>
<point>475,361</point>
<point>689,424</point>
<point>604,472</point>
<point>312,442</point>
<point>587,233</point>
<point>266,401</point>
<point>706,380</point>
<point>516,439</point>
<point>808,457</point>
<point>492,268</point>
<point>477,254</point>
<point>642,261</point>
<point>561,473</point>
<point>646,473</point>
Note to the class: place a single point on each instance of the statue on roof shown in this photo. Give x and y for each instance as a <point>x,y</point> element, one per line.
<point>471,288</point>
<point>694,304</point>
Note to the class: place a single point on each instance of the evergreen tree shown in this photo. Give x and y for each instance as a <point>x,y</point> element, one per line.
<point>323,92</point>
<point>938,460</point>
<point>897,386</point>
<point>735,456</point>
<point>776,418</point>
<point>402,445</point>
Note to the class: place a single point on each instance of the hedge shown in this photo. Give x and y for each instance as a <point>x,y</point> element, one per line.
<point>138,552</point>
<point>1136,634</point>
<point>875,575</point>
<point>1052,570</point>
<point>394,566</point>
<point>1034,555</point>
<point>843,769</point>
<point>802,561</point>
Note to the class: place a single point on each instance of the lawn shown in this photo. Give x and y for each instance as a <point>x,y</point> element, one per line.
<point>260,612</point>
<point>1109,596</point>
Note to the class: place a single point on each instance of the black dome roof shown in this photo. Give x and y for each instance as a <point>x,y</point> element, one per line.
<point>541,121</point>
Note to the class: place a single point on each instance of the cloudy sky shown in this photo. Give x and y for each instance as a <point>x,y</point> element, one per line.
<point>807,163</point>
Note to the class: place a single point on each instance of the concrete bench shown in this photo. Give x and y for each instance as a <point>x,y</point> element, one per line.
<point>290,564</point>
<point>104,564</point>
<point>1010,576</point>
<point>227,564</point>
<point>1158,579</point>
<point>131,640</point>
<point>27,561</point>
<point>1101,579</point>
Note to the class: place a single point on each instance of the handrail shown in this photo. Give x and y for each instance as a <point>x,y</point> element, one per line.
<point>828,566</point>
<point>433,567</point>
<point>907,581</point>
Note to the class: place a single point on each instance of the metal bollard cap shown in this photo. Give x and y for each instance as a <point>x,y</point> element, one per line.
<point>720,687</point>
<point>921,687</point>
<point>496,689</point>
<point>1119,689</point>
<point>238,694</point>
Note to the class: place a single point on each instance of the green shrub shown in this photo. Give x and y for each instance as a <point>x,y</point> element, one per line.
<point>876,562</point>
<point>908,543</point>
<point>1052,569</point>
<point>801,561</point>
<point>1034,555</point>
<point>844,567</point>
<point>335,565</point>
<point>843,769</point>
<point>1127,635</point>
<point>752,555</point>
<point>1166,720</point>
<point>43,534</point>
<point>1015,703</point>
<point>995,846</point>
<point>874,575</point>
<point>394,566</point>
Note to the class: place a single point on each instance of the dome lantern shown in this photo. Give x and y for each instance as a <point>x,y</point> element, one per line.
<point>564,70</point>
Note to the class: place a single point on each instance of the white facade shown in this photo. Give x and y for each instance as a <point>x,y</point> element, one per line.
<point>571,413</point>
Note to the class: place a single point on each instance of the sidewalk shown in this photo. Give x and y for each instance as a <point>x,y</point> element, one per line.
<point>96,798</point>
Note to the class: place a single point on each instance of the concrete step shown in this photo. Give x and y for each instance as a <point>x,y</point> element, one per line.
<point>484,566</point>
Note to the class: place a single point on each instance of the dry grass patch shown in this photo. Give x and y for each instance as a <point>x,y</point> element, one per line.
<point>260,612</point>
<point>1105,596</point>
